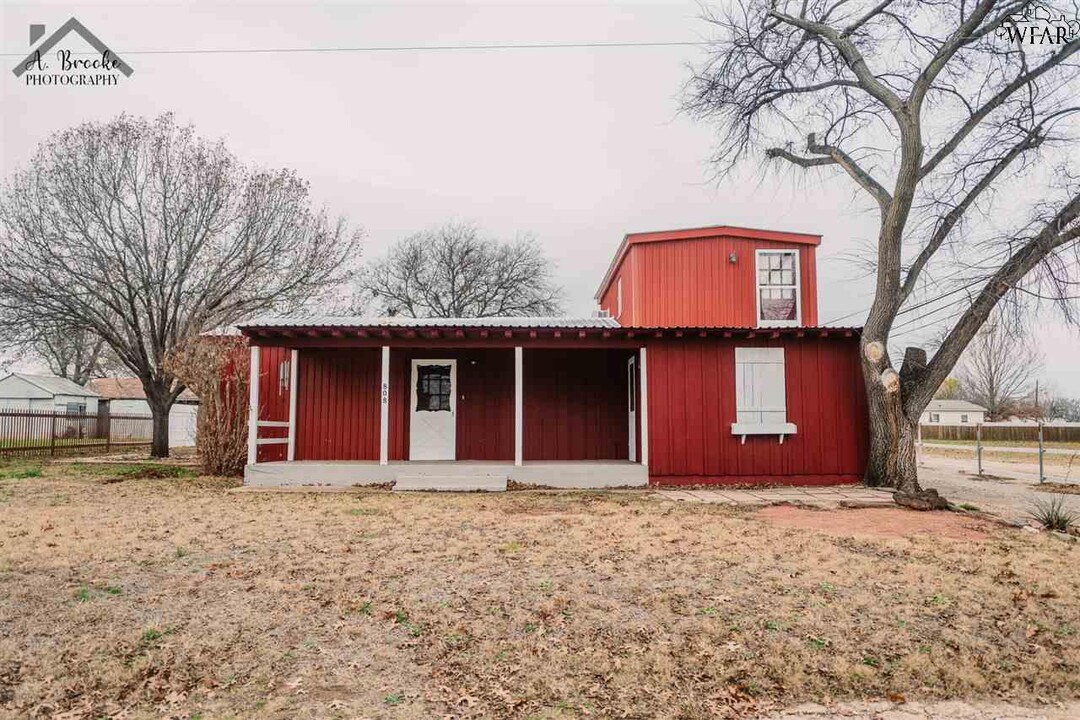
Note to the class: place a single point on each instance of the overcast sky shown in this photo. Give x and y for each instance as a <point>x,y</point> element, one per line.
<point>577,146</point>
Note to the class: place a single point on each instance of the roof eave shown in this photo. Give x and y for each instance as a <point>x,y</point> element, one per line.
<point>294,333</point>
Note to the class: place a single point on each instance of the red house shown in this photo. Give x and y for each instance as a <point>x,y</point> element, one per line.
<point>705,364</point>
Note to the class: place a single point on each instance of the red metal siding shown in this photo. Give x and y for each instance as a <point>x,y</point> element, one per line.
<point>575,405</point>
<point>610,300</point>
<point>273,401</point>
<point>691,386</point>
<point>682,283</point>
<point>485,402</point>
<point>337,404</point>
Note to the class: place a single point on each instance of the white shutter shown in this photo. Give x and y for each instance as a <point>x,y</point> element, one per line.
<point>760,392</point>
<point>745,405</point>
<point>760,395</point>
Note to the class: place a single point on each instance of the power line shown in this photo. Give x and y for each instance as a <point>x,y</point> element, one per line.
<point>921,320</point>
<point>915,307</point>
<point>406,48</point>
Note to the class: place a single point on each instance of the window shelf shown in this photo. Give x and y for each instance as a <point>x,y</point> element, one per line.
<point>780,429</point>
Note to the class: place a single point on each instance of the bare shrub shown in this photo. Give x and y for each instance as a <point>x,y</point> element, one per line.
<point>217,370</point>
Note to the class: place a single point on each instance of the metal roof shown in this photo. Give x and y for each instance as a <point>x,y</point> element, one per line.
<point>345,321</point>
<point>311,331</point>
<point>955,406</point>
<point>54,385</point>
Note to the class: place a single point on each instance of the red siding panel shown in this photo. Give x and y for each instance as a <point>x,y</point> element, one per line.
<point>610,300</point>
<point>576,405</point>
<point>337,408</point>
<point>692,405</point>
<point>273,400</point>
<point>694,283</point>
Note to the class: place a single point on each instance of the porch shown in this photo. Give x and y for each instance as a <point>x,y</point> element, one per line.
<point>466,409</point>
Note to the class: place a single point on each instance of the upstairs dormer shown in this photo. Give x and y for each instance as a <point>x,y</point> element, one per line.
<point>713,277</point>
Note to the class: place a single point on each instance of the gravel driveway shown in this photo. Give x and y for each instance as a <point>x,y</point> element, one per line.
<point>944,710</point>
<point>1010,490</point>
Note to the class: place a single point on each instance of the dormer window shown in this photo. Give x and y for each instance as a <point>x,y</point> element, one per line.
<point>778,302</point>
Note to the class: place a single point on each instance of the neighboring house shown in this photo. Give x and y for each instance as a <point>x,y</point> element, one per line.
<point>953,412</point>
<point>22,391</point>
<point>705,365</point>
<point>126,396</point>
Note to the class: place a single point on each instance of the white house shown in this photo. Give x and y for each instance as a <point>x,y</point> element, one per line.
<point>953,412</point>
<point>127,397</point>
<point>20,391</point>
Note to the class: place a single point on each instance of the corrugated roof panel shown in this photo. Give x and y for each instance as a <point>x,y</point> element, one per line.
<point>955,406</point>
<point>345,321</point>
<point>56,385</point>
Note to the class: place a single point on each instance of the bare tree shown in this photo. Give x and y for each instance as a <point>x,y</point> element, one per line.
<point>932,110</point>
<point>1064,408</point>
<point>69,352</point>
<point>997,369</point>
<point>146,235</point>
<point>454,272</point>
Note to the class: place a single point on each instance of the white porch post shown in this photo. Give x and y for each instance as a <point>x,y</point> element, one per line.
<point>294,375</point>
<point>253,407</point>
<point>384,408</point>
<point>519,385</point>
<point>643,410</point>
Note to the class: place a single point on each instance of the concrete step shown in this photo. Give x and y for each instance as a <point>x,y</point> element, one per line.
<point>450,483</point>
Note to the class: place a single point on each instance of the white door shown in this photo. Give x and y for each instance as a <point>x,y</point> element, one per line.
<point>631,391</point>
<point>432,426</point>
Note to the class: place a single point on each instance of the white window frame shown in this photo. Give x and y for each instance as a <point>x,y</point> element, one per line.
<point>757,289</point>
<point>935,417</point>
<point>749,356</point>
<point>963,418</point>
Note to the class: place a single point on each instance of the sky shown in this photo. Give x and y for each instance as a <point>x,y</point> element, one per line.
<point>577,146</point>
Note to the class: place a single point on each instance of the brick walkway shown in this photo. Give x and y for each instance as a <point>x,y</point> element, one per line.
<point>825,497</point>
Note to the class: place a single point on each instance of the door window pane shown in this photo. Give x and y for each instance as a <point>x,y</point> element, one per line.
<point>433,388</point>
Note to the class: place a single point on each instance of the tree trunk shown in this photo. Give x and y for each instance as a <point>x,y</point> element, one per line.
<point>159,444</point>
<point>892,437</point>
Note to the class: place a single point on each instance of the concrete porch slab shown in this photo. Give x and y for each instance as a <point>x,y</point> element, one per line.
<point>598,474</point>
<point>450,483</point>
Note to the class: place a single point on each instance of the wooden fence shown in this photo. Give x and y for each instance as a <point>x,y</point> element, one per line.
<point>43,432</point>
<point>1003,432</point>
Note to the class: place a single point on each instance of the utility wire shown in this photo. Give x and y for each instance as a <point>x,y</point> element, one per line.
<point>912,308</point>
<point>404,48</point>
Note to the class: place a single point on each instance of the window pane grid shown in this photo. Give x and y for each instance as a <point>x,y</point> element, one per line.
<point>777,286</point>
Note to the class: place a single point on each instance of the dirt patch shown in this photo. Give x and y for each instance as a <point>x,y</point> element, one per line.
<point>879,522</point>
<point>178,598</point>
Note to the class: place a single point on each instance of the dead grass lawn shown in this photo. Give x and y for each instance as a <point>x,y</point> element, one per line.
<point>174,597</point>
